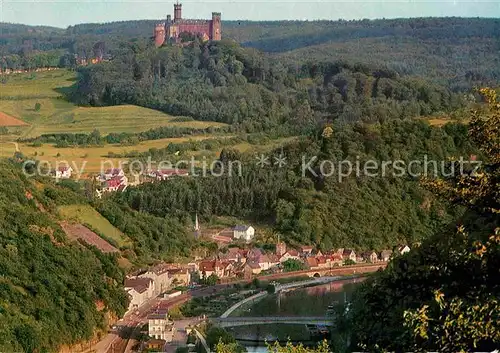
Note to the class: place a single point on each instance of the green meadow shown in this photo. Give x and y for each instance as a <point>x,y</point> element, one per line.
<point>20,93</point>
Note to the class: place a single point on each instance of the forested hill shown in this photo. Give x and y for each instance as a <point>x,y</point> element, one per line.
<point>359,211</point>
<point>224,82</point>
<point>460,52</point>
<point>52,291</point>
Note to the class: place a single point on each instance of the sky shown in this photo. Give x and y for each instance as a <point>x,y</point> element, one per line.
<point>62,13</point>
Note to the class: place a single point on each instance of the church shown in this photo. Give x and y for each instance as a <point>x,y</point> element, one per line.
<point>171,29</point>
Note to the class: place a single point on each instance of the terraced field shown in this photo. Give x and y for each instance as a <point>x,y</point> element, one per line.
<point>85,214</point>
<point>19,95</point>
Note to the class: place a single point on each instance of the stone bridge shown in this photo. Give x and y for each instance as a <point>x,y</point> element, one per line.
<point>295,320</point>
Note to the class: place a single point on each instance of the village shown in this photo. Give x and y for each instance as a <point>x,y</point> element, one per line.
<point>115,179</point>
<point>237,260</point>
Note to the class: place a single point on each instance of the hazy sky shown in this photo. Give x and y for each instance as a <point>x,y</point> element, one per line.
<point>62,13</point>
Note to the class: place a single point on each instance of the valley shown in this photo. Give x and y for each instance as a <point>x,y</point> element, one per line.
<point>348,139</point>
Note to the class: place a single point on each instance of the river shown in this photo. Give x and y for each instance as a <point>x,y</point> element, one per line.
<point>311,301</point>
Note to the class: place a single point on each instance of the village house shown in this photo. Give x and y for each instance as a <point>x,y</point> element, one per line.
<point>370,256</point>
<point>402,249</point>
<point>219,268</point>
<point>115,184</point>
<point>113,173</point>
<point>160,275</point>
<point>155,345</point>
<point>244,232</point>
<point>253,254</point>
<point>349,254</point>
<point>251,268</point>
<point>159,326</point>
<point>207,268</point>
<point>274,260</point>
<point>63,172</point>
<point>306,250</point>
<point>312,263</point>
<point>385,255</point>
<point>336,260</point>
<point>139,290</point>
<point>236,255</point>
<point>290,254</point>
<point>180,276</point>
<point>264,262</point>
<point>137,296</point>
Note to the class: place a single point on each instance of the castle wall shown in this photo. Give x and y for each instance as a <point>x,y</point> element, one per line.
<point>210,29</point>
<point>196,28</point>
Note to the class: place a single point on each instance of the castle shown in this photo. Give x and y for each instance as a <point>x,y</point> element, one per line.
<point>205,29</point>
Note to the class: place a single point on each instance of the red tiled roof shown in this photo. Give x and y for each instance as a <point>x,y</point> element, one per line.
<point>320,259</point>
<point>207,266</point>
<point>253,265</point>
<point>139,284</point>
<point>312,262</point>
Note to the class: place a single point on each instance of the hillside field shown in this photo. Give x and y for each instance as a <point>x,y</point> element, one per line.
<point>85,214</point>
<point>19,94</point>
<point>93,156</point>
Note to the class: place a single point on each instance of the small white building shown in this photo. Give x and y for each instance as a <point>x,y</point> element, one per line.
<point>243,232</point>
<point>159,326</point>
<point>139,290</point>
<point>403,249</point>
<point>63,172</point>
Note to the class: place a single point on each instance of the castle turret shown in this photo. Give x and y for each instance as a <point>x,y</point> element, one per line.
<point>159,34</point>
<point>216,26</point>
<point>177,12</point>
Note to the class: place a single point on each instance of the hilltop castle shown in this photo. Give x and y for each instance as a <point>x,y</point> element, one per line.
<point>206,29</point>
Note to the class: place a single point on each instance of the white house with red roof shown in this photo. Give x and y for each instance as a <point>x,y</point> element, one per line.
<point>63,172</point>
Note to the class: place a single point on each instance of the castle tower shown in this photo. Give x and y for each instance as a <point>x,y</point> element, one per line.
<point>159,34</point>
<point>177,12</point>
<point>216,26</point>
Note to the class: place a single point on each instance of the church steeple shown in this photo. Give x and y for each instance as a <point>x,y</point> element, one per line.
<point>197,232</point>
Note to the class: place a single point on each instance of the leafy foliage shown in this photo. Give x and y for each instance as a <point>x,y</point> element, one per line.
<point>444,294</point>
<point>52,292</point>
<point>220,81</point>
<point>308,208</point>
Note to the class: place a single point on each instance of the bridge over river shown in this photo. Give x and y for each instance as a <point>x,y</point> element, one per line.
<point>297,320</point>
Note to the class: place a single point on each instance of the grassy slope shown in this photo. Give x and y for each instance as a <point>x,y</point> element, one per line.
<point>87,215</point>
<point>93,156</point>
<point>21,92</point>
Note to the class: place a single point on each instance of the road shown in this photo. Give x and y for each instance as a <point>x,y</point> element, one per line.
<point>180,335</point>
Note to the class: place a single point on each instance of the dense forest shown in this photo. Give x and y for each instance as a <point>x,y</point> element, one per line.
<point>309,208</point>
<point>224,82</point>
<point>443,295</point>
<point>459,52</point>
<point>52,292</point>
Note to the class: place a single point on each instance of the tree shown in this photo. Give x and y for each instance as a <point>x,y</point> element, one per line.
<point>38,106</point>
<point>276,348</point>
<point>292,265</point>
<point>212,280</point>
<point>443,295</point>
